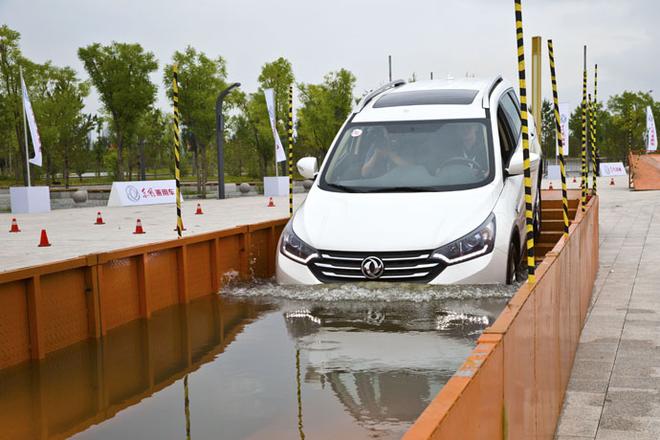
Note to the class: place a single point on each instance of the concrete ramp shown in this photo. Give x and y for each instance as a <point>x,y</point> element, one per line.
<point>644,171</point>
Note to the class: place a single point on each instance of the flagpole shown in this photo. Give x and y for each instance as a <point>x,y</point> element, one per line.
<point>27,151</point>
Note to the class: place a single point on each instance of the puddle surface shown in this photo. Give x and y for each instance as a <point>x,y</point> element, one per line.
<point>256,366</point>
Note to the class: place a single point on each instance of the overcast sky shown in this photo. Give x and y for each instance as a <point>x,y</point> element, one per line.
<point>423,36</point>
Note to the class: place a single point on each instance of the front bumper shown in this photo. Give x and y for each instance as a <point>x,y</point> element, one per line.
<point>488,269</point>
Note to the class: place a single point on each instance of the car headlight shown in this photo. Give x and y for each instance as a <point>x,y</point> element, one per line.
<point>475,244</point>
<point>293,247</point>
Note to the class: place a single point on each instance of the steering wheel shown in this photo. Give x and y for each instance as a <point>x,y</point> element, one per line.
<point>459,160</point>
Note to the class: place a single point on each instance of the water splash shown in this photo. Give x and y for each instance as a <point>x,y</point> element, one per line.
<point>386,292</point>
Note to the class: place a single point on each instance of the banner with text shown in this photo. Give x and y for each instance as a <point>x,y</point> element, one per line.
<point>564,116</point>
<point>32,123</point>
<point>611,169</point>
<point>270,104</point>
<point>149,192</point>
<point>651,134</point>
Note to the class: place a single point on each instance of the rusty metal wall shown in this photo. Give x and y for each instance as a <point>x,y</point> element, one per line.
<point>49,307</point>
<point>512,385</point>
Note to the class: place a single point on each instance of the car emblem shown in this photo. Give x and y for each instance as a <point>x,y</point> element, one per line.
<point>372,267</point>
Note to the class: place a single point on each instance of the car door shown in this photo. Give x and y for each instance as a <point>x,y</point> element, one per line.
<point>511,107</point>
<point>513,193</point>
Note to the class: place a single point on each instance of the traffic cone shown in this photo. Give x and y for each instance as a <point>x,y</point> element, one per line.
<point>271,204</point>
<point>612,181</point>
<point>574,179</point>
<point>14,226</point>
<point>99,219</point>
<point>43,241</point>
<point>550,186</point>
<point>138,227</point>
<point>183,228</point>
<point>199,210</point>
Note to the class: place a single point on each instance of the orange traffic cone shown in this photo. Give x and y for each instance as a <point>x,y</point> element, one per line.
<point>199,210</point>
<point>271,204</point>
<point>138,227</point>
<point>574,179</point>
<point>550,187</point>
<point>612,181</point>
<point>43,241</point>
<point>14,226</point>
<point>99,219</point>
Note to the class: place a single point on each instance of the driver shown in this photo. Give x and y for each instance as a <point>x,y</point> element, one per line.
<point>473,147</point>
<point>471,151</point>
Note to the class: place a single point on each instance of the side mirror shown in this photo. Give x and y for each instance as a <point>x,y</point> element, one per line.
<point>517,165</point>
<point>307,167</point>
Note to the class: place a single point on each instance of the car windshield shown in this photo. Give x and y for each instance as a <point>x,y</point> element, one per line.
<point>410,156</point>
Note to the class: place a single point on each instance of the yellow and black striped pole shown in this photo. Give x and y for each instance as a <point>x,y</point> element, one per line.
<point>531,264</point>
<point>560,139</point>
<point>595,124</point>
<point>592,138</point>
<point>177,158</point>
<point>585,172</point>
<point>290,128</point>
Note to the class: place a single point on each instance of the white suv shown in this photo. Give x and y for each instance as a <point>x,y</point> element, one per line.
<point>423,183</point>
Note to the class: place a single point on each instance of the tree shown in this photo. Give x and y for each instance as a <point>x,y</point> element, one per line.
<point>548,129</point>
<point>120,73</point>
<point>201,79</point>
<point>255,132</point>
<point>65,126</point>
<point>11,117</point>
<point>324,108</point>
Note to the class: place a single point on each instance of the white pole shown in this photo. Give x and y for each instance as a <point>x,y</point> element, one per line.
<point>27,151</point>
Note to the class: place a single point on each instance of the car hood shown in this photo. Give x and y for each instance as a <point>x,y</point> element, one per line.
<point>391,221</point>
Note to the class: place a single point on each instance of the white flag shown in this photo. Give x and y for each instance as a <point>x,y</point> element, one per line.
<point>564,116</point>
<point>270,103</point>
<point>651,134</point>
<point>32,123</point>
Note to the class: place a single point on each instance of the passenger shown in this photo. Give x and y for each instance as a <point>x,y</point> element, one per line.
<point>381,157</point>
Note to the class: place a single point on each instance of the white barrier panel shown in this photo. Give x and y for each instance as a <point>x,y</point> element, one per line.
<point>611,169</point>
<point>554,172</point>
<point>29,199</point>
<point>276,186</point>
<point>148,192</point>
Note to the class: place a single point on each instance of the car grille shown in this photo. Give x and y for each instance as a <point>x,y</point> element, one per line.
<point>408,266</point>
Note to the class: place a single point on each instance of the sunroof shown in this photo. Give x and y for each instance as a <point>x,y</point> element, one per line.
<point>427,97</point>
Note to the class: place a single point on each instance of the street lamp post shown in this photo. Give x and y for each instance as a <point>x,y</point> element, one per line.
<point>219,136</point>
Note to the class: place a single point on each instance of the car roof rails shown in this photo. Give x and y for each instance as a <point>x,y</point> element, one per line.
<point>485,103</point>
<point>371,95</point>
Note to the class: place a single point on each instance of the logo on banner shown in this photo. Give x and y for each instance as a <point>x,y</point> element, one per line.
<point>132,193</point>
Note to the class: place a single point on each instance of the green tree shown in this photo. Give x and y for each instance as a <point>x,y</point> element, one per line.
<point>64,127</point>
<point>201,79</point>
<point>324,108</point>
<point>548,129</point>
<point>11,117</point>
<point>120,73</point>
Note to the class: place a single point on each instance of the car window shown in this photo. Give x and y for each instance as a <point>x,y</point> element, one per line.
<point>507,146</point>
<point>441,155</point>
<point>511,110</point>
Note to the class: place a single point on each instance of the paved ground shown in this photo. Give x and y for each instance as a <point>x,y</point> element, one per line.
<point>614,391</point>
<point>72,231</point>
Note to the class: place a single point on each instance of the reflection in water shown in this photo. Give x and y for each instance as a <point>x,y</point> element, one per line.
<point>294,369</point>
<point>385,362</point>
<point>186,405</point>
<point>90,382</point>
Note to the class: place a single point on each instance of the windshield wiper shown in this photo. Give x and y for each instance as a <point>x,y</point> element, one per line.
<point>348,189</point>
<point>403,189</point>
